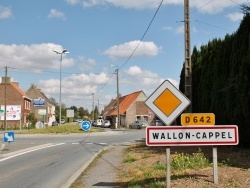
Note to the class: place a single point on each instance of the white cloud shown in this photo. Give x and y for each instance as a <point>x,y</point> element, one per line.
<point>73,2</point>
<point>56,14</point>
<point>5,12</point>
<point>36,56</point>
<point>133,4</point>
<point>204,6</point>
<point>145,80</point>
<point>86,64</point>
<point>123,51</point>
<point>236,16</point>
<point>77,89</point>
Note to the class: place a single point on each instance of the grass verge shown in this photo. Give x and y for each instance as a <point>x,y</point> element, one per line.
<point>145,167</point>
<point>63,129</point>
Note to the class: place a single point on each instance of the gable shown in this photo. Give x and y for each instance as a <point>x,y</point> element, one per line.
<point>124,102</point>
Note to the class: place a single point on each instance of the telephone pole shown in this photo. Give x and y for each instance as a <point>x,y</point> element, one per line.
<point>93,107</point>
<point>118,100</point>
<point>188,63</point>
<point>5,99</point>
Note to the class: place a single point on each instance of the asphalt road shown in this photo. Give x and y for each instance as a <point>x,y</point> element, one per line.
<point>54,160</point>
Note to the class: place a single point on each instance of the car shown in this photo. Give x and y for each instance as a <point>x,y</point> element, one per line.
<point>99,122</point>
<point>106,123</point>
<point>79,121</point>
<point>94,123</point>
<point>63,121</point>
<point>54,123</point>
<point>157,122</point>
<point>138,124</point>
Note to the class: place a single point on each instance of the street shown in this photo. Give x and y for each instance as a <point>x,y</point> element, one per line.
<point>55,160</point>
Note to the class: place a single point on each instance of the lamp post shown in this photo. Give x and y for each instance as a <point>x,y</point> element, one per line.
<point>60,98</point>
<point>118,101</point>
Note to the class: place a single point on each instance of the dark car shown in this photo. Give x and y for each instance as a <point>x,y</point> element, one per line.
<point>54,123</point>
<point>138,124</point>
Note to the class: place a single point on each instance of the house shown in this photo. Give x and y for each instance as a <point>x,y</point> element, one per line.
<point>15,102</point>
<point>132,107</point>
<point>41,106</point>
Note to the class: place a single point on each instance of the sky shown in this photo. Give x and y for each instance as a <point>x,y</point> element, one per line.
<point>143,39</point>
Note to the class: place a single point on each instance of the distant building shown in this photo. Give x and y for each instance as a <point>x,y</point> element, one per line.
<point>17,104</point>
<point>41,106</point>
<point>132,107</point>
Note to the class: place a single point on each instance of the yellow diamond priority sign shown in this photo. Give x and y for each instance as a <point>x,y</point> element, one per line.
<point>167,102</point>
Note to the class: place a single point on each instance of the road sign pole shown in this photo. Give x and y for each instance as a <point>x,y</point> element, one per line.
<point>168,168</point>
<point>215,165</point>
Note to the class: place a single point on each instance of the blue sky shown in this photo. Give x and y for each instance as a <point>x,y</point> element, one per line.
<point>101,33</point>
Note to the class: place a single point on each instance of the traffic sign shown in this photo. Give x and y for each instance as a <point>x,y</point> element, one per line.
<point>9,137</point>
<point>167,102</point>
<point>86,125</point>
<point>192,136</point>
<point>197,119</point>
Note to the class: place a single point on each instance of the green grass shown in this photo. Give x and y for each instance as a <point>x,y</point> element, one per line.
<point>63,129</point>
<point>183,161</point>
<point>150,171</point>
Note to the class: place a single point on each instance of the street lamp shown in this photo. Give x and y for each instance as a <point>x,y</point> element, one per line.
<point>60,98</point>
<point>118,101</point>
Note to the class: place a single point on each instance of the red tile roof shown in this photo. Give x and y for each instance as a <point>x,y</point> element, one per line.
<point>18,89</point>
<point>124,102</point>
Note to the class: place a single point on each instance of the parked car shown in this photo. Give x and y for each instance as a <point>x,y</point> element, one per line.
<point>157,122</point>
<point>99,122</point>
<point>94,123</point>
<point>79,121</point>
<point>106,123</point>
<point>54,123</point>
<point>63,121</point>
<point>138,124</point>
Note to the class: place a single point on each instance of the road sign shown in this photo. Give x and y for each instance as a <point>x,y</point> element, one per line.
<point>9,137</point>
<point>197,119</point>
<point>86,125</point>
<point>167,102</point>
<point>192,136</point>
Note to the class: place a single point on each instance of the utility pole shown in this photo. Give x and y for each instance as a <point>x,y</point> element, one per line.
<point>5,99</point>
<point>93,106</point>
<point>98,107</point>
<point>118,101</point>
<point>188,63</point>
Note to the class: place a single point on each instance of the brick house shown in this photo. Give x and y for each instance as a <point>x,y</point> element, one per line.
<point>132,107</point>
<point>17,104</point>
<point>41,106</point>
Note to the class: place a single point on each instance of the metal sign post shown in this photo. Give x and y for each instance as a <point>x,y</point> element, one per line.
<point>167,102</point>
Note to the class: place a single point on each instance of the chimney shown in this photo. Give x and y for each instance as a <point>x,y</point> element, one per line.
<point>7,80</point>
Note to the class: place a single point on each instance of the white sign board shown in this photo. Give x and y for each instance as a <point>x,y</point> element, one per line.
<point>192,136</point>
<point>13,112</point>
<point>167,102</point>
<point>70,113</point>
<point>42,112</point>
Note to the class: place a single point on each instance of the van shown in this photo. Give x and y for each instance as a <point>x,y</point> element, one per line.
<point>99,122</point>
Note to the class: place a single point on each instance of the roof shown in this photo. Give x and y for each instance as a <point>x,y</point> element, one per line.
<point>38,93</point>
<point>124,103</point>
<point>19,90</point>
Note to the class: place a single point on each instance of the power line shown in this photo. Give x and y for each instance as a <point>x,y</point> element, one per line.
<point>142,35</point>
<point>212,25</point>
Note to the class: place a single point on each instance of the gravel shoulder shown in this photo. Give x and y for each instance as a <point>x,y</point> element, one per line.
<point>102,172</point>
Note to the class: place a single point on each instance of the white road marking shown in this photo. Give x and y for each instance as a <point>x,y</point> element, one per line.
<point>22,153</point>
